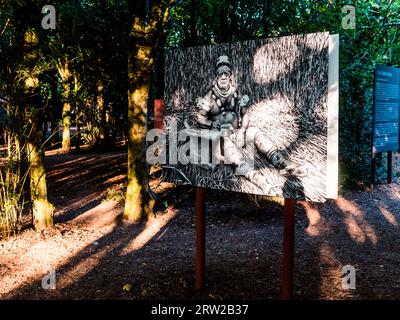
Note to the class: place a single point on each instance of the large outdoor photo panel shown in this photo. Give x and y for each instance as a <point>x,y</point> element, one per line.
<point>257,116</point>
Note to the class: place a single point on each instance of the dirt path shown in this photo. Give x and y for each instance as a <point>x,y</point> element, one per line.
<point>94,257</point>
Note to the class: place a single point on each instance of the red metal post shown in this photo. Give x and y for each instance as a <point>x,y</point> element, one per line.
<point>200,238</point>
<point>389,166</point>
<point>288,249</point>
<point>158,113</point>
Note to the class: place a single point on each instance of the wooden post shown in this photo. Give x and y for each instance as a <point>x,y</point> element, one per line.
<point>373,170</point>
<point>200,238</point>
<point>389,167</point>
<point>288,249</point>
<point>158,113</point>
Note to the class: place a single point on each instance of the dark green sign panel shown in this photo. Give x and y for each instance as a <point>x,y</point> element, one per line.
<point>386,109</point>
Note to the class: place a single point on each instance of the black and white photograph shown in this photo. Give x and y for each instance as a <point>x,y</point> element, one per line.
<point>254,115</point>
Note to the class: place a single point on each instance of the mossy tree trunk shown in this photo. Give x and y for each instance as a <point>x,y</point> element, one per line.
<point>42,209</point>
<point>144,38</point>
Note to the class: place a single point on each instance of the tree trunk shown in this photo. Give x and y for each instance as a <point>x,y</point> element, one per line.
<point>267,11</point>
<point>78,131</point>
<point>66,122</point>
<point>65,73</point>
<point>137,203</point>
<point>143,39</point>
<point>77,112</point>
<point>42,209</point>
<point>103,116</point>
<point>29,99</point>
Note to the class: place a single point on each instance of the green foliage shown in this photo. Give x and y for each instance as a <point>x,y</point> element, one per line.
<point>115,193</point>
<point>13,176</point>
<point>127,287</point>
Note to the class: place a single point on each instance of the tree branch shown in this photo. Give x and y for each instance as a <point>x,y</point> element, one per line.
<point>4,27</point>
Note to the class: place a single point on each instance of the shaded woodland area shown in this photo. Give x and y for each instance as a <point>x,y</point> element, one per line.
<point>77,195</point>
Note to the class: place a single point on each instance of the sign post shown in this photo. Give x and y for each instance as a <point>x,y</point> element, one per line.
<point>373,170</point>
<point>386,116</point>
<point>288,249</point>
<point>389,166</point>
<point>200,238</point>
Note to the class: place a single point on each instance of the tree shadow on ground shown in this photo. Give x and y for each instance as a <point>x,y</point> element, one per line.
<point>243,258</point>
<point>351,232</point>
<point>78,183</point>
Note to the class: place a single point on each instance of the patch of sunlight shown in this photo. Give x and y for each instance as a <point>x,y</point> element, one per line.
<point>395,191</point>
<point>315,220</point>
<point>77,204</point>
<point>38,261</point>
<point>348,206</point>
<point>70,176</point>
<point>78,270</point>
<point>116,178</point>
<point>331,274</point>
<point>66,163</point>
<point>31,82</point>
<point>153,226</point>
<point>71,260</point>
<point>358,229</point>
<point>159,186</point>
<point>354,230</point>
<point>388,216</point>
<point>101,216</point>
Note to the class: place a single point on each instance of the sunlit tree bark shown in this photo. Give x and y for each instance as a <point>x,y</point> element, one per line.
<point>42,209</point>
<point>146,32</point>
<point>77,112</point>
<point>104,138</point>
<point>28,85</point>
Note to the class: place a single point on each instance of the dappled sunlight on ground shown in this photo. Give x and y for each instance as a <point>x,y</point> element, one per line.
<point>25,264</point>
<point>358,228</point>
<point>152,227</point>
<point>349,206</point>
<point>103,215</point>
<point>94,255</point>
<point>390,217</point>
<point>316,224</point>
<point>159,186</point>
<point>363,233</point>
<point>331,269</point>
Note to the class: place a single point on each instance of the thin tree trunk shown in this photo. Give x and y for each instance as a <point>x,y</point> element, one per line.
<point>66,123</point>
<point>77,112</point>
<point>65,73</point>
<point>54,131</point>
<point>42,209</point>
<point>137,203</point>
<point>78,131</point>
<point>143,39</point>
<point>103,116</point>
